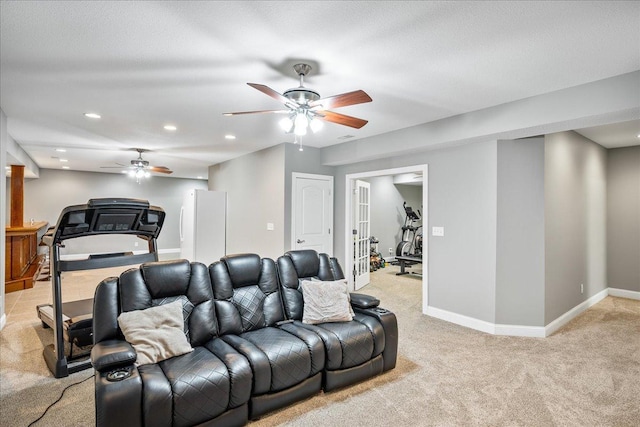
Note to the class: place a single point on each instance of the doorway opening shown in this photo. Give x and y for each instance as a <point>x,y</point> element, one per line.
<point>352,223</point>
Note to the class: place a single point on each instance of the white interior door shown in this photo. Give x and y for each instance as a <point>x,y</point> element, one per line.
<point>312,213</point>
<point>362,231</point>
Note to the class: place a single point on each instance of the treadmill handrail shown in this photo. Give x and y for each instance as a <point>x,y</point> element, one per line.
<point>106,262</point>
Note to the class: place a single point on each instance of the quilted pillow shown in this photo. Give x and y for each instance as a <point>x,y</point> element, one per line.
<point>325,302</point>
<point>156,333</point>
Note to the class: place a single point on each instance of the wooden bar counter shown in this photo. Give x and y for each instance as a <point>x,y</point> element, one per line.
<point>22,262</point>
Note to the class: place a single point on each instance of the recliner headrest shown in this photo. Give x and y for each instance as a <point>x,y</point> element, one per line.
<point>305,261</point>
<point>244,269</point>
<point>167,278</point>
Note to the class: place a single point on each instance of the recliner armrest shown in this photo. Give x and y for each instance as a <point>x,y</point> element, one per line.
<point>111,354</point>
<point>364,301</point>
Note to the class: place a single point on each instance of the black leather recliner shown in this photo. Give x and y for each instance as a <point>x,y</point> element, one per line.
<point>356,350</point>
<point>212,383</point>
<point>251,354</point>
<point>287,362</point>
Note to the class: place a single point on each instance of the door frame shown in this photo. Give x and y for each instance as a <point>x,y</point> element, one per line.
<point>348,221</point>
<point>294,201</point>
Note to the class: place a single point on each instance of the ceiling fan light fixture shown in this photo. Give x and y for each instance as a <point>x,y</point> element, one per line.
<point>300,124</point>
<point>286,124</point>
<point>315,125</point>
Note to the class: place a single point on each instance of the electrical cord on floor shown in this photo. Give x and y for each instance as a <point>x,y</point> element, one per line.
<point>59,399</point>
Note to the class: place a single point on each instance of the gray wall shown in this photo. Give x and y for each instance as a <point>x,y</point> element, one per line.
<point>46,196</point>
<point>3,201</point>
<point>575,221</point>
<point>255,187</point>
<point>387,214</point>
<point>623,218</point>
<point>306,161</point>
<point>520,240</point>
<point>462,198</point>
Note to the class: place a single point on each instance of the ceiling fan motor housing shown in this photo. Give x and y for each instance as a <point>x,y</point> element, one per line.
<point>302,95</point>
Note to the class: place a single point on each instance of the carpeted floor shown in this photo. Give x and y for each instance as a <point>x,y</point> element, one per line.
<point>587,374</point>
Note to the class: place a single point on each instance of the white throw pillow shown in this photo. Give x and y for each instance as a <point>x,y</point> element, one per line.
<point>326,302</point>
<point>156,333</point>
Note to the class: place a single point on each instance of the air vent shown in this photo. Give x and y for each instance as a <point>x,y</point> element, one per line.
<point>345,137</point>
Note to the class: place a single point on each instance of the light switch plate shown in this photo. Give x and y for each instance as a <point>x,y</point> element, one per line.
<point>270,226</point>
<point>437,231</point>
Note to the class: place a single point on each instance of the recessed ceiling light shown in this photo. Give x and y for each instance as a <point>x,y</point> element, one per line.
<point>638,135</point>
<point>92,115</point>
<point>61,150</point>
<point>170,127</point>
<point>64,160</point>
<point>229,136</point>
<point>65,167</point>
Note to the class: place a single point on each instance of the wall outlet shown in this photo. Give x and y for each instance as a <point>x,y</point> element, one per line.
<point>270,226</point>
<point>437,231</point>
<point>582,288</point>
<point>390,250</point>
<point>135,244</point>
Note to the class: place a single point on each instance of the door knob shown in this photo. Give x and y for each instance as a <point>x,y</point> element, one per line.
<point>299,241</point>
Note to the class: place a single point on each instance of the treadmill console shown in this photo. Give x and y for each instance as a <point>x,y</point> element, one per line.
<point>109,216</point>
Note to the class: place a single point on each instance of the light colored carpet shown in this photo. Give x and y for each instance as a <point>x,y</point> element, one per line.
<point>587,374</point>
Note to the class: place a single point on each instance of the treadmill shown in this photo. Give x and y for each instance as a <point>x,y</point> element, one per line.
<point>73,321</point>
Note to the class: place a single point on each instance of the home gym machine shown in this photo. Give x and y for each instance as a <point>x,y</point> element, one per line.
<point>409,250</point>
<point>72,321</point>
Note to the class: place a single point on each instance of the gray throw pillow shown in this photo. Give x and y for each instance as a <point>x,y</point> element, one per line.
<point>156,333</point>
<point>325,302</point>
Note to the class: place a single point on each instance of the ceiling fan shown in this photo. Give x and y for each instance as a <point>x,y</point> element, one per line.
<point>140,168</point>
<point>305,107</point>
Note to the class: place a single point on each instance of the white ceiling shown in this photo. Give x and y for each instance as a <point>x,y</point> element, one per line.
<point>142,65</point>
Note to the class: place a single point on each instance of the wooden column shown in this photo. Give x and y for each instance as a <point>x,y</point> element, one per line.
<point>17,195</point>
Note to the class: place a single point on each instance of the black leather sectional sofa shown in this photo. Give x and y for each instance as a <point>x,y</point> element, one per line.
<point>251,353</point>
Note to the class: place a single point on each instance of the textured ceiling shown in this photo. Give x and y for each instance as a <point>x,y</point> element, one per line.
<point>142,65</point>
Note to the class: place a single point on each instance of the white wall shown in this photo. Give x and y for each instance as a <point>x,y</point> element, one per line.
<point>575,187</point>
<point>255,186</point>
<point>45,197</point>
<point>623,218</point>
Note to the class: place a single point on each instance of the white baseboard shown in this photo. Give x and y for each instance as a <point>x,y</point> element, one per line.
<point>623,293</point>
<point>462,320</point>
<point>3,321</point>
<point>520,331</point>
<point>574,312</point>
<point>529,331</point>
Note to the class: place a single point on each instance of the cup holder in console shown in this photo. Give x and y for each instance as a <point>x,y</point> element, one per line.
<point>119,374</point>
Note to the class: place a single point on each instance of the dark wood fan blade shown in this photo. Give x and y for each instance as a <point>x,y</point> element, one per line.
<point>272,93</point>
<point>160,169</point>
<point>257,112</point>
<point>341,119</point>
<point>343,100</point>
